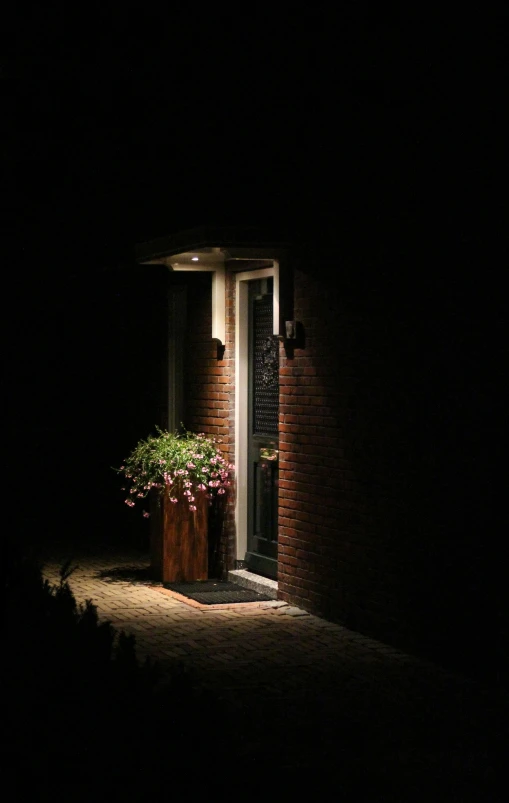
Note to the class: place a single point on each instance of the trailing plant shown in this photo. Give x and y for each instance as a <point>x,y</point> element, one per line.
<point>182,465</point>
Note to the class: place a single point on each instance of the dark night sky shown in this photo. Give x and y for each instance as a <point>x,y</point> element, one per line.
<point>120,129</point>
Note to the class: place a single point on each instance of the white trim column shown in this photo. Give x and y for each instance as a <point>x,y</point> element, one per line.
<point>218,297</point>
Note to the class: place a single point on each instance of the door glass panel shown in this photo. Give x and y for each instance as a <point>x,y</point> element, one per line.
<point>266,368</point>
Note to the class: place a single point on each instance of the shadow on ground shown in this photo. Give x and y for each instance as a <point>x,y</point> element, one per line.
<point>127,574</point>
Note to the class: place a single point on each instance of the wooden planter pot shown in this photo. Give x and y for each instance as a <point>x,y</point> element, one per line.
<point>179,539</point>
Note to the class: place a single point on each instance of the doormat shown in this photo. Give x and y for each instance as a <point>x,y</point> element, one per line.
<point>215,592</point>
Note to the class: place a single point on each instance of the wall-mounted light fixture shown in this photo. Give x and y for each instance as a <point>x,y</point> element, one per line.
<point>291,330</point>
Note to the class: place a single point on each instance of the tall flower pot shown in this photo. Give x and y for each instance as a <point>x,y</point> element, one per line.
<point>179,539</point>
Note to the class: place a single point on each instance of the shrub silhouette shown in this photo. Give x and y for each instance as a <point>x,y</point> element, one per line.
<point>75,699</point>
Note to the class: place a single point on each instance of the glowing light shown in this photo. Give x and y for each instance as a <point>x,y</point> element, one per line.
<point>194,259</point>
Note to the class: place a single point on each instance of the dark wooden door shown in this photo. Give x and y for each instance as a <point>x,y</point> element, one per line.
<point>263,439</point>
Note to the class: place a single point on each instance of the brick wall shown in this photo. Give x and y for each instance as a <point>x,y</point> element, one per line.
<point>380,515</point>
<point>340,452</point>
<point>208,398</point>
<point>229,561</point>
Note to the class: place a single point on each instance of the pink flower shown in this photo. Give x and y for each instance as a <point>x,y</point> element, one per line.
<point>129,502</point>
<point>187,493</point>
<point>146,515</point>
<point>221,491</point>
<point>191,499</point>
<point>191,465</point>
<point>133,490</point>
<point>173,500</point>
<point>192,507</point>
<point>202,487</point>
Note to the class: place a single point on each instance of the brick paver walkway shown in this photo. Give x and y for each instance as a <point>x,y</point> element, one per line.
<point>307,694</point>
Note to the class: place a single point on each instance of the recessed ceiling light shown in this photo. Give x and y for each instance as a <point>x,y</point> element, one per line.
<point>194,259</point>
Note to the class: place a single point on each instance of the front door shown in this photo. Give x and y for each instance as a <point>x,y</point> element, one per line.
<point>263,426</point>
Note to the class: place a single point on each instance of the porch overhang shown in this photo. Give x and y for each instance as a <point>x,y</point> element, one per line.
<point>210,250</point>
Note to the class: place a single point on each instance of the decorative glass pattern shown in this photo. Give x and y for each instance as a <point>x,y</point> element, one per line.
<point>266,369</point>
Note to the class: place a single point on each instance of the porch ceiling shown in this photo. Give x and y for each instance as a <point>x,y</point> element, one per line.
<point>209,248</point>
<point>196,259</point>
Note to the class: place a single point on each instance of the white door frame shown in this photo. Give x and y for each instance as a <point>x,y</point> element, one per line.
<point>241,391</point>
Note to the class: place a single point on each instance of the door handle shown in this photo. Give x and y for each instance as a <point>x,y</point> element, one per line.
<point>268,454</point>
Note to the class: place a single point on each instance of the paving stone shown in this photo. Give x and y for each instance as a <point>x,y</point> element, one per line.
<point>291,611</point>
<point>320,677</point>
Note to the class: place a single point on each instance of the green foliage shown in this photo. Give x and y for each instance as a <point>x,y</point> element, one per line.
<point>181,464</point>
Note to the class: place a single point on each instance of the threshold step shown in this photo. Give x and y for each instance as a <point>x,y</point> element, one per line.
<point>254,581</point>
